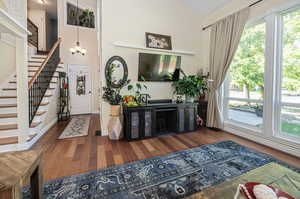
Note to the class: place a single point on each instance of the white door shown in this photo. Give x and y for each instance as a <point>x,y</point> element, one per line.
<point>80,89</point>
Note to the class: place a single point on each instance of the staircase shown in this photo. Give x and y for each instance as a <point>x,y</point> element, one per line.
<point>42,75</point>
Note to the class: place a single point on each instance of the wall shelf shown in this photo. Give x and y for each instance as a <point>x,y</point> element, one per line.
<point>124,45</point>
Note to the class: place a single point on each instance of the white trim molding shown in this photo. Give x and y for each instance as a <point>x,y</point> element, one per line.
<point>125,45</point>
<point>273,142</point>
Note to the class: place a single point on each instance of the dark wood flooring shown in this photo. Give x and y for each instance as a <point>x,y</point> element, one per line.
<point>79,155</point>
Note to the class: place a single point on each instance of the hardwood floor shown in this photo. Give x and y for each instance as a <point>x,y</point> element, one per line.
<point>79,155</point>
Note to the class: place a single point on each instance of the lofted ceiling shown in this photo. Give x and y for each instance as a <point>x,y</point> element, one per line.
<point>51,6</point>
<point>205,6</point>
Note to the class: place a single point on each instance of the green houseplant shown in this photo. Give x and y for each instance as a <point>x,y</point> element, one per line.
<point>191,86</point>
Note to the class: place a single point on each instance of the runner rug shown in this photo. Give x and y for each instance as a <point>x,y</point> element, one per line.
<point>78,126</point>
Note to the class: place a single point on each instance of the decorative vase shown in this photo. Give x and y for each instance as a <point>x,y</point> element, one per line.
<point>115,128</point>
<point>115,110</point>
<point>189,99</point>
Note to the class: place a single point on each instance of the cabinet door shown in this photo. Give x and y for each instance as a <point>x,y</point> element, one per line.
<point>134,125</point>
<point>148,123</point>
<point>181,119</point>
<point>190,118</point>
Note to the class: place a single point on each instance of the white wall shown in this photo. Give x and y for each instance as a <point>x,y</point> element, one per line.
<point>88,40</point>
<point>127,21</point>
<point>38,17</point>
<point>7,59</point>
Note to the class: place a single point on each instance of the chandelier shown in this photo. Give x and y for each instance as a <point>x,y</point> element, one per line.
<point>77,49</point>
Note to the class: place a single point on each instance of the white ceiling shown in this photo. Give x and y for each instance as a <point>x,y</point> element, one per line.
<point>51,6</point>
<point>206,6</point>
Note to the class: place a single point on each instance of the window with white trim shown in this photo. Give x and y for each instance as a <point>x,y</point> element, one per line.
<point>262,89</point>
<point>288,124</point>
<point>245,81</point>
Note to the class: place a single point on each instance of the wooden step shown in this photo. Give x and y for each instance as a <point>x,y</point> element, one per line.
<point>8,105</point>
<point>31,76</point>
<point>14,89</point>
<point>14,115</point>
<point>12,97</point>
<point>15,105</point>
<point>15,126</point>
<point>9,115</point>
<point>14,140</point>
<point>6,141</point>
<point>14,82</point>
<point>34,57</point>
<point>8,97</point>
<point>39,62</point>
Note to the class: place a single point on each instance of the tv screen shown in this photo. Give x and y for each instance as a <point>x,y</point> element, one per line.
<point>159,68</point>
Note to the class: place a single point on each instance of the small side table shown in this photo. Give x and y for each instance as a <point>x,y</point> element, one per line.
<point>17,169</point>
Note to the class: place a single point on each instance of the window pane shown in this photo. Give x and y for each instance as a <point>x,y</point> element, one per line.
<point>290,121</point>
<point>247,113</point>
<point>247,68</point>
<point>290,91</point>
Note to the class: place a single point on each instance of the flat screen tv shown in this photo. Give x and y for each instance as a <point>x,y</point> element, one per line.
<point>159,68</point>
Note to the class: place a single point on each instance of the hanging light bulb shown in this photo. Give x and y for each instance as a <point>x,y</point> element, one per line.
<point>77,49</point>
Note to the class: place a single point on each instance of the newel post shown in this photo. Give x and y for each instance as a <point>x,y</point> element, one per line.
<point>22,89</point>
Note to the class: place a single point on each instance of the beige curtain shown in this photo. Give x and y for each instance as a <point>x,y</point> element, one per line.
<point>225,37</point>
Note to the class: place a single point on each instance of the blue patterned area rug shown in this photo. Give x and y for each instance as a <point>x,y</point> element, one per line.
<point>175,175</point>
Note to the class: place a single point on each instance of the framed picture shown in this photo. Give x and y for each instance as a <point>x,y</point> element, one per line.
<point>158,41</point>
<point>85,17</point>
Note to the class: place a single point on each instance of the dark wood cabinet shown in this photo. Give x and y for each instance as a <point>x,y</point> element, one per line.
<point>157,119</point>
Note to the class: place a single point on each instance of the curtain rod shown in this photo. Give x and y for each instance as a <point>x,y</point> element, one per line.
<point>253,4</point>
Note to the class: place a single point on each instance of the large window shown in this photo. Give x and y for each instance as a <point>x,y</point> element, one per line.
<point>290,75</point>
<point>262,89</point>
<point>245,84</point>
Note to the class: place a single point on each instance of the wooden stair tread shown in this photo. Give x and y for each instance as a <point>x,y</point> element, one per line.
<point>35,61</point>
<point>15,105</point>
<point>8,105</point>
<point>14,89</point>
<point>14,115</point>
<point>10,140</point>
<point>15,126</point>
<point>7,97</point>
<point>9,115</point>
<point>14,82</point>
<point>14,140</point>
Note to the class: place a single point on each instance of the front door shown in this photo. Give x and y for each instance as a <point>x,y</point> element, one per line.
<point>80,89</point>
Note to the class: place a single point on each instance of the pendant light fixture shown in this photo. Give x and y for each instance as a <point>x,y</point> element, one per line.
<point>77,49</point>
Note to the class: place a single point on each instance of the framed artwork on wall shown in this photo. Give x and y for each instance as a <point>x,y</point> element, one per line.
<point>158,41</point>
<point>83,17</point>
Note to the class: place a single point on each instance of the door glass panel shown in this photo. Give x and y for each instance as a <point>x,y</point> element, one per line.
<point>246,113</point>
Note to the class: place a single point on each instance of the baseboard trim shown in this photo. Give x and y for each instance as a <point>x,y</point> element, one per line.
<point>270,142</point>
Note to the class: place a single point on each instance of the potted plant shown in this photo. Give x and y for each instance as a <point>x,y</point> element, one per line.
<point>191,86</point>
<point>114,98</point>
<point>139,98</point>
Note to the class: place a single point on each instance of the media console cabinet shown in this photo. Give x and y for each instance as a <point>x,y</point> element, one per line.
<point>158,119</point>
